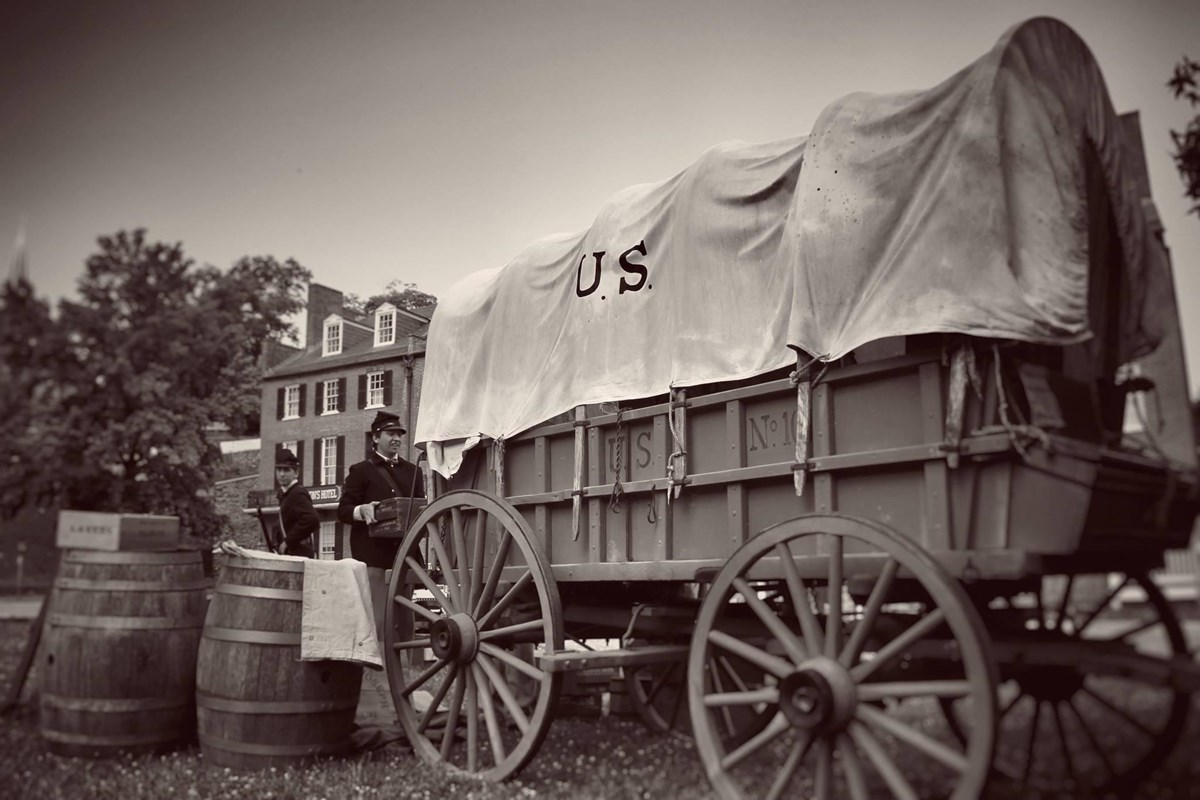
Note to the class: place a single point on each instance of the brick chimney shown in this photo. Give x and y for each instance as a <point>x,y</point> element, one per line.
<point>322,301</point>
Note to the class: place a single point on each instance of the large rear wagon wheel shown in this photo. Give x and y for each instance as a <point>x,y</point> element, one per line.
<point>493,601</point>
<point>851,690</point>
<point>1098,717</point>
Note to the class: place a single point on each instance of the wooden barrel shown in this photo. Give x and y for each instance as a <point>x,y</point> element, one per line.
<point>258,704</point>
<point>122,631</point>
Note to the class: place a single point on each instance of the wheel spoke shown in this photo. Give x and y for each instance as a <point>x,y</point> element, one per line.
<point>1011,705</point>
<point>461,557</point>
<point>904,689</point>
<point>833,624</point>
<point>506,696</point>
<point>489,588</point>
<point>884,765</point>
<point>1061,613</point>
<point>861,671</point>
<point>429,585</point>
<point>875,601</point>
<point>912,737</point>
<point>774,624</point>
<point>431,712</point>
<point>776,727</point>
<point>1033,731</point>
<point>769,694</point>
<point>1091,737</point>
<point>823,780</point>
<point>451,727</point>
<point>489,715</point>
<point>1062,740</point>
<point>1103,605</point>
<point>416,608</point>
<point>477,557</point>
<point>1139,628</point>
<point>421,679</point>
<point>726,717</point>
<point>856,778</point>
<point>1123,714</point>
<point>472,722</point>
<point>760,658</point>
<point>506,600</point>
<point>456,599</point>
<point>510,630</point>
<point>723,662</point>
<point>657,684</point>
<point>798,751</point>
<point>513,661</point>
<point>800,599</point>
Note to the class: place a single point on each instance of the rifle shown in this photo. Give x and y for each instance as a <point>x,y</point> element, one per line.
<point>266,530</point>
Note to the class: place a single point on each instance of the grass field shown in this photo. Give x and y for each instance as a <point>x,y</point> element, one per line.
<point>580,759</point>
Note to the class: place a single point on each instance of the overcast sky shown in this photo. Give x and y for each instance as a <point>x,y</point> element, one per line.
<point>423,141</point>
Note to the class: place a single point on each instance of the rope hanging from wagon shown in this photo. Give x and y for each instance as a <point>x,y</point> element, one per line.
<point>1020,433</point>
<point>803,421</point>
<point>614,501</point>
<point>677,462</point>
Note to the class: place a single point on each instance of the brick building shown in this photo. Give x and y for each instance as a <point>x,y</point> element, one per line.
<point>320,400</point>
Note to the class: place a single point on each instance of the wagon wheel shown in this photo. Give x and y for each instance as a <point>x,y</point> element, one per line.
<point>1077,726</point>
<point>658,694</point>
<point>495,598</point>
<point>849,702</point>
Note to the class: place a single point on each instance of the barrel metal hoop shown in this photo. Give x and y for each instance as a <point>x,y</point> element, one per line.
<point>113,739</point>
<point>124,623</point>
<point>214,703</point>
<point>100,585</point>
<point>241,590</point>
<point>251,636</point>
<point>127,558</point>
<point>221,743</point>
<point>114,704</point>
<point>268,564</point>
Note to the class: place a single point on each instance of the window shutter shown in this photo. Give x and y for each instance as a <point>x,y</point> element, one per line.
<point>319,398</point>
<point>302,388</point>
<point>279,393</point>
<point>317,455</point>
<point>341,458</point>
<point>300,456</point>
<point>341,394</point>
<point>362,391</point>
<point>387,387</point>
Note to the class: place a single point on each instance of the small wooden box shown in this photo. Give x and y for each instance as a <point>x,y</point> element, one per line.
<point>395,515</point>
<point>101,530</point>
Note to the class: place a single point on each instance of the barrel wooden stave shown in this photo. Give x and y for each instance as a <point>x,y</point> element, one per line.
<point>259,706</point>
<point>123,631</point>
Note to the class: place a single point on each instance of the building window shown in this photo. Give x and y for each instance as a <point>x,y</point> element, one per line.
<point>291,401</point>
<point>375,386</point>
<point>329,450</point>
<point>331,394</point>
<point>327,540</point>
<point>385,324</point>
<point>331,343</point>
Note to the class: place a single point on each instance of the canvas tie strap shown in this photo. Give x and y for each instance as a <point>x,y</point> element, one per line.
<point>962,363</point>
<point>677,463</point>
<point>614,500</point>
<point>498,464</point>
<point>803,420</point>
<point>577,486</point>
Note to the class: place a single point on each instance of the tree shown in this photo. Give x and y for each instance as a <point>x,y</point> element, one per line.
<point>155,350</point>
<point>398,293</point>
<point>1187,142</point>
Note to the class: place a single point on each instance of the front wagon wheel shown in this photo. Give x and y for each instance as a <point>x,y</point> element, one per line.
<point>480,590</point>
<point>850,690</point>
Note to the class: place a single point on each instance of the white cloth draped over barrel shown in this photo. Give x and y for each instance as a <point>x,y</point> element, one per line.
<point>960,209</point>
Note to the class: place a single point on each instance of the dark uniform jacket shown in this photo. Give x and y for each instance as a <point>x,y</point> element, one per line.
<point>300,520</point>
<point>365,483</point>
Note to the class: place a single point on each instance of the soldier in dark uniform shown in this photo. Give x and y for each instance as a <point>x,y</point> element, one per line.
<point>380,476</point>
<point>296,513</point>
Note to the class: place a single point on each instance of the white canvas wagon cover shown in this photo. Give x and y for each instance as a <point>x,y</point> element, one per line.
<point>960,209</point>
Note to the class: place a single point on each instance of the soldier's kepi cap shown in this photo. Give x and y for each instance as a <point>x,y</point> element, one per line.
<point>386,421</point>
<point>286,458</point>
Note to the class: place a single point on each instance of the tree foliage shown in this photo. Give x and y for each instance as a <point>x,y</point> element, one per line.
<point>398,293</point>
<point>1187,141</point>
<point>155,350</point>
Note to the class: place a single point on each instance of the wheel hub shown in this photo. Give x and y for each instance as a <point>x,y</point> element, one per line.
<point>455,638</point>
<point>819,696</point>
